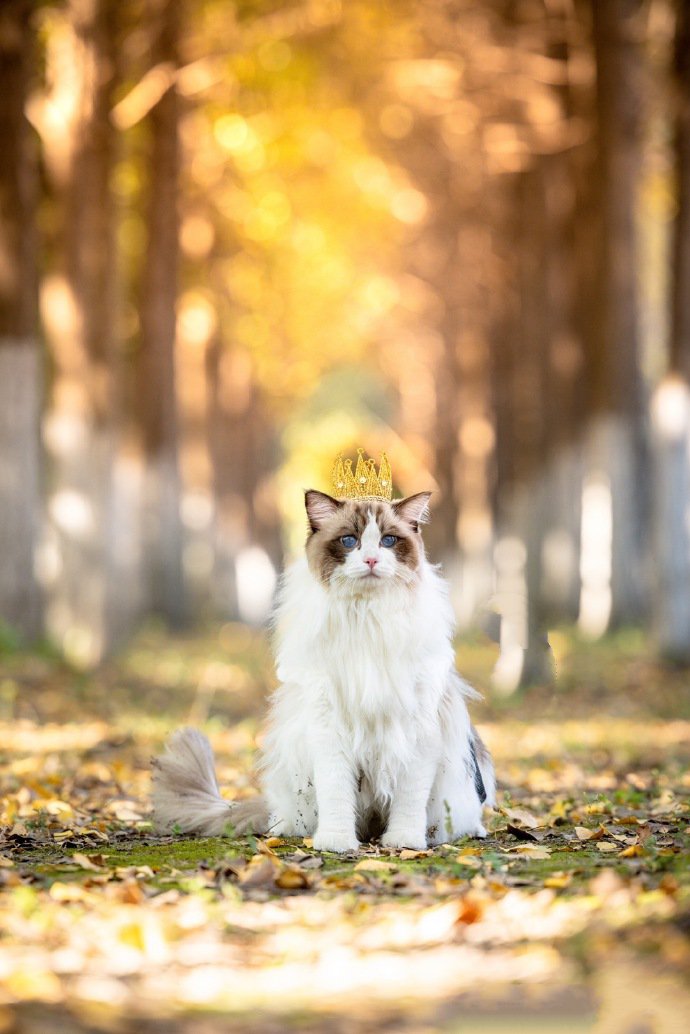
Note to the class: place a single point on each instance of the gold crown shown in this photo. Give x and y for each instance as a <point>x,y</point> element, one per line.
<point>365,483</point>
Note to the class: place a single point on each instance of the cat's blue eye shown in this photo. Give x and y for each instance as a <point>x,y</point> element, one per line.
<point>389,541</point>
<point>349,541</point>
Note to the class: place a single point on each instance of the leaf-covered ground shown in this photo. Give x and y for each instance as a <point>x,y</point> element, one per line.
<point>573,916</point>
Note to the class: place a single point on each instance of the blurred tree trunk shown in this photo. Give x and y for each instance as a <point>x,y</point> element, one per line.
<point>680,328</point>
<point>20,357</point>
<point>671,405</point>
<point>79,306</point>
<point>247,533</point>
<point>521,503</point>
<point>163,533</point>
<point>564,216</point>
<point>616,483</point>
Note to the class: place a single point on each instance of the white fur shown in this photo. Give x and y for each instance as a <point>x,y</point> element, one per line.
<point>370,714</point>
<point>370,711</point>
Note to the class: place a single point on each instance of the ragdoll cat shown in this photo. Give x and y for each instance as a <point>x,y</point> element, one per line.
<point>369,732</point>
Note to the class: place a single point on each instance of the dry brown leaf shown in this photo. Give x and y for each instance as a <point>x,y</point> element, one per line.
<point>342,881</point>
<point>89,862</point>
<point>470,911</point>
<point>522,817</point>
<point>582,833</point>
<point>407,854</point>
<point>522,833</point>
<point>264,847</point>
<point>260,872</point>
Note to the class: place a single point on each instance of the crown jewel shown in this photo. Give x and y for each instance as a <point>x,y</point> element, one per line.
<point>364,483</point>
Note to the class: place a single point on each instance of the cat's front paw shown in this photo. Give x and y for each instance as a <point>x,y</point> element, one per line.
<point>410,838</point>
<point>336,841</point>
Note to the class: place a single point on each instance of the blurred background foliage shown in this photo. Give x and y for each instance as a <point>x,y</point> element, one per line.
<point>238,238</point>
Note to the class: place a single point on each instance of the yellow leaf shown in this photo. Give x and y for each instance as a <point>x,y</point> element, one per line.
<point>292,878</point>
<point>558,880</point>
<point>132,934</point>
<point>634,851</point>
<point>406,854</point>
<point>308,842</point>
<point>374,865</point>
<point>469,859</point>
<point>274,842</point>
<point>533,851</point>
<point>5,862</point>
<point>606,847</point>
<point>264,847</point>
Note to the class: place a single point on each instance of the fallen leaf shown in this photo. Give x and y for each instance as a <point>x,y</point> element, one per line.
<point>606,847</point>
<point>87,862</point>
<point>312,862</point>
<point>291,878</point>
<point>531,851</point>
<point>264,847</point>
<point>522,817</point>
<point>634,851</point>
<point>374,865</point>
<point>470,911</point>
<point>260,872</point>
<point>558,880</point>
<point>469,859</point>
<point>406,854</point>
<point>522,833</point>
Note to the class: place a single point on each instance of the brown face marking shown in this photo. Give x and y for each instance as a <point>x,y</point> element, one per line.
<point>325,551</point>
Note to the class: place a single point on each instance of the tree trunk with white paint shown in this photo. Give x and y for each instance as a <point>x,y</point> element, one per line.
<point>671,403</point>
<point>20,358</point>
<point>616,452</point>
<point>165,587</point>
<point>81,427</point>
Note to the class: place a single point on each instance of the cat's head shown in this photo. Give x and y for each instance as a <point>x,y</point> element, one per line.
<point>365,544</point>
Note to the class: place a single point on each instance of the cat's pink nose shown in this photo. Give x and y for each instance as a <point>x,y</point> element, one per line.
<point>372,561</point>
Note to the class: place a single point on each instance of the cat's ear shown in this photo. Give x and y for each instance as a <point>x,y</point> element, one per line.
<point>320,507</point>
<point>414,510</point>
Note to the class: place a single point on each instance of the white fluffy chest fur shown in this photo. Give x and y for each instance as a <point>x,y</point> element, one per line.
<point>364,670</point>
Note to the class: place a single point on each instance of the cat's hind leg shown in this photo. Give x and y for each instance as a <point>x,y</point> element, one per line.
<point>291,800</point>
<point>454,808</point>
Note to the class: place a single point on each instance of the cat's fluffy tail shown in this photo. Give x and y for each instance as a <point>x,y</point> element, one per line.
<point>186,795</point>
